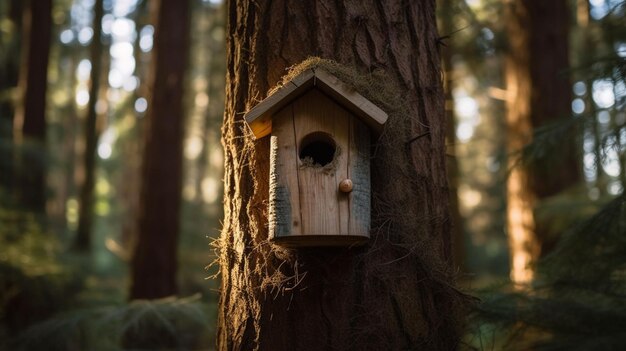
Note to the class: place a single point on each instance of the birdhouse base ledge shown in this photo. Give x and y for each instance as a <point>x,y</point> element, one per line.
<point>320,240</point>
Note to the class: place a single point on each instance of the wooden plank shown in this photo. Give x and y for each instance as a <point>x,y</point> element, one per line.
<point>262,126</point>
<point>319,205</point>
<point>284,209</point>
<point>321,240</point>
<point>341,172</point>
<point>347,96</point>
<point>359,173</point>
<point>259,118</point>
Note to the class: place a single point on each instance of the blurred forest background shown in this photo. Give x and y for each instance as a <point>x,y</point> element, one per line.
<point>91,117</point>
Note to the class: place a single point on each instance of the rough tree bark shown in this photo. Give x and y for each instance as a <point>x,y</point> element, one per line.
<point>539,93</point>
<point>447,27</point>
<point>395,292</point>
<point>154,258</point>
<point>29,124</point>
<point>83,234</point>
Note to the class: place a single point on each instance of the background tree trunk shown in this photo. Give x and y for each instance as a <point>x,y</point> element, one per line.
<point>9,67</point>
<point>154,259</point>
<point>458,233</point>
<point>29,124</point>
<point>539,93</point>
<point>391,294</point>
<point>83,234</point>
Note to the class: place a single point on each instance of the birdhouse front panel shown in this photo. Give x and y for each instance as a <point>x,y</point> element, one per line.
<point>320,180</point>
<point>320,159</point>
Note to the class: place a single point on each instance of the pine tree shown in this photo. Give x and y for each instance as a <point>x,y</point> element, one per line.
<point>154,259</point>
<point>29,123</point>
<point>83,234</point>
<point>538,95</point>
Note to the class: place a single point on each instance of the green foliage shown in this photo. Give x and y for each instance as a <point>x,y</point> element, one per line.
<point>177,324</point>
<point>577,302</point>
<point>577,299</point>
<point>33,283</point>
<point>591,256</point>
<point>545,149</point>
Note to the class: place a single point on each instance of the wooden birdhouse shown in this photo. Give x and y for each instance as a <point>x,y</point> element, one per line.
<point>320,160</point>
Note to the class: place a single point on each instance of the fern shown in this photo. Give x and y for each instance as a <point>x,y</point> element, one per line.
<point>170,323</point>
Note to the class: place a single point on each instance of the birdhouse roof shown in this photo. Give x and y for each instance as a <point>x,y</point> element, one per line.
<point>259,118</point>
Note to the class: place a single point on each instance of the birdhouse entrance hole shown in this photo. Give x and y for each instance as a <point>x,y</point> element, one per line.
<point>319,160</point>
<point>317,149</point>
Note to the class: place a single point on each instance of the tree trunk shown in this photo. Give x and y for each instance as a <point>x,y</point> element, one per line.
<point>447,27</point>
<point>9,75</point>
<point>588,45</point>
<point>29,124</point>
<point>83,234</point>
<point>395,292</point>
<point>130,173</point>
<point>154,259</point>
<point>539,94</point>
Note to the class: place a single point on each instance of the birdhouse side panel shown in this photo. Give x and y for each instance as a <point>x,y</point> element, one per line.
<point>322,124</point>
<point>359,173</point>
<point>284,206</point>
